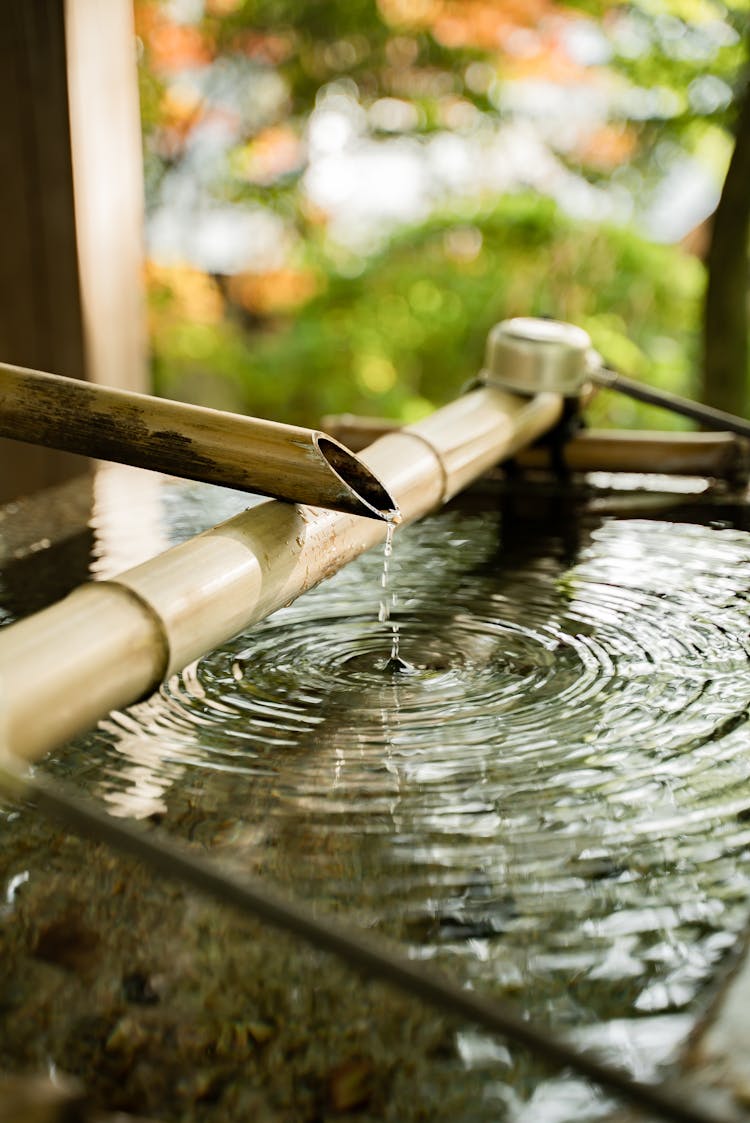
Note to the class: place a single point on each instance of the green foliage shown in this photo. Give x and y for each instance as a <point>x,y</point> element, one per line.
<point>408,328</point>
<point>330,40</point>
<point>403,329</point>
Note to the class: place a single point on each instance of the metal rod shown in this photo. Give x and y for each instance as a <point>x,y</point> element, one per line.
<point>248,453</point>
<point>704,415</point>
<point>255,899</point>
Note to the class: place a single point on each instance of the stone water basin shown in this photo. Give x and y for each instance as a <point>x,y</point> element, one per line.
<point>548,798</point>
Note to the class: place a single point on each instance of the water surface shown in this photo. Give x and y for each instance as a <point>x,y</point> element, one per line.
<point>549,793</point>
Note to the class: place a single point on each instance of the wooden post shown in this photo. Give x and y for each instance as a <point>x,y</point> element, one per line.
<point>71,206</point>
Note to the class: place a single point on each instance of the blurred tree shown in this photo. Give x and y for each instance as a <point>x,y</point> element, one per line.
<point>409,328</point>
<point>251,102</point>
<point>692,56</point>
<point>725,322</point>
<point>685,63</point>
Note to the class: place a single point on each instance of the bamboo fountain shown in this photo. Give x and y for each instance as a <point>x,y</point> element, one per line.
<point>112,642</point>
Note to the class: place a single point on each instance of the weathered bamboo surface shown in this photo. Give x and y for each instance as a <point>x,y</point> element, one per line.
<point>112,642</point>
<point>719,455</point>
<point>264,457</point>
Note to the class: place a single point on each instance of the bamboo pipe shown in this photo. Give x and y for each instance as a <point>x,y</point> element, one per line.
<point>595,450</point>
<point>112,642</point>
<point>264,457</point>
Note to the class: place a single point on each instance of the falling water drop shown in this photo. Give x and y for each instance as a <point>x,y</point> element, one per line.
<point>394,664</point>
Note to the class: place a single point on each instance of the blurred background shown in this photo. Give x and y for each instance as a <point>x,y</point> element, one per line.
<point>343,196</point>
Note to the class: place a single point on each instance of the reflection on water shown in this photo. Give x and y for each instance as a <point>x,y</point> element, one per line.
<point>554,801</point>
<point>127,516</point>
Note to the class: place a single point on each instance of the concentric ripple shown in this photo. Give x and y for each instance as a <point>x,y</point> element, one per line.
<point>553,786</point>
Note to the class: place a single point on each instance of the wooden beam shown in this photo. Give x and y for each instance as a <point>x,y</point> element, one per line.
<point>105,129</point>
<point>69,295</point>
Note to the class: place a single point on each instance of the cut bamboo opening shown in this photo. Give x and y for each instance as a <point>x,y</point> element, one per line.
<point>112,642</point>
<point>247,453</point>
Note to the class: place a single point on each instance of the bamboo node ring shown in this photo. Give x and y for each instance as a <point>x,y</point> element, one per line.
<point>445,490</point>
<point>160,628</point>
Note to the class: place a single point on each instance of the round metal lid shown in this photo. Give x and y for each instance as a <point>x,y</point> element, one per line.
<point>530,355</point>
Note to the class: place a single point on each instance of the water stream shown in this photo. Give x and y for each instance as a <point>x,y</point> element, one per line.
<point>553,802</point>
<point>388,605</point>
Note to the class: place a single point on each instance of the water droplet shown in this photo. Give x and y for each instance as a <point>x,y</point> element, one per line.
<point>388,599</point>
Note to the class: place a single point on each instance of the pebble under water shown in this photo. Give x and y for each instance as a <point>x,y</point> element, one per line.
<point>547,791</point>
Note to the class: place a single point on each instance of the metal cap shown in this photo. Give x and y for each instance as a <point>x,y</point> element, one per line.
<point>528,356</point>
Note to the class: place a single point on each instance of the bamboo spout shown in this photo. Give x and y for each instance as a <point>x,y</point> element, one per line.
<point>110,643</point>
<point>264,457</point>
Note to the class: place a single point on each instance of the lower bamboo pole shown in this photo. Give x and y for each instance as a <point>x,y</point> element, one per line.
<point>110,643</point>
